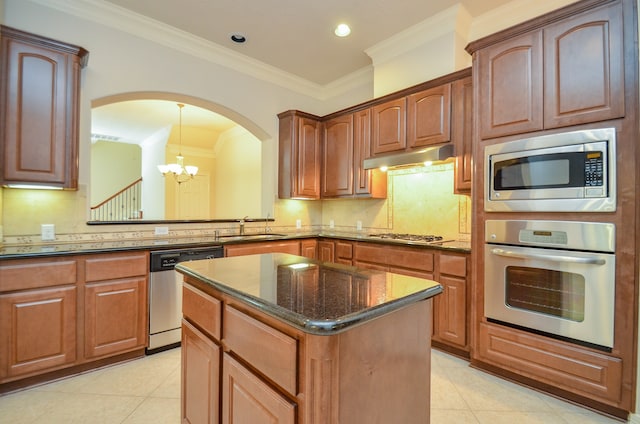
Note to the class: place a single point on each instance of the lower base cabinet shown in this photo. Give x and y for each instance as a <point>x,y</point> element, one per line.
<point>37,331</point>
<point>59,315</point>
<point>200,377</point>
<point>247,399</point>
<point>241,366</point>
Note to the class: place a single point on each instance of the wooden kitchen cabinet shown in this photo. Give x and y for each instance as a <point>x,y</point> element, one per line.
<point>37,331</point>
<point>389,127</point>
<point>346,143</point>
<point>429,117</point>
<point>299,156</point>
<point>309,248</point>
<point>337,151</point>
<point>451,307</point>
<point>416,262</point>
<point>326,250</point>
<point>462,134</point>
<point>247,399</point>
<point>39,91</point>
<point>344,252</point>
<point>116,313</point>
<point>370,183</point>
<point>284,246</point>
<point>200,361</point>
<point>566,73</point>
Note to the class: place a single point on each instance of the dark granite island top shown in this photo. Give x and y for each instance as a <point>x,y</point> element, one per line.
<point>282,338</point>
<point>315,297</point>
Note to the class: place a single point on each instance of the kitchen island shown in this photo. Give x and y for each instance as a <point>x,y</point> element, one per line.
<point>283,338</point>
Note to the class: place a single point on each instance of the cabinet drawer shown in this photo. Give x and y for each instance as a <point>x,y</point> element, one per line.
<point>417,259</point>
<point>453,265</point>
<point>28,274</point>
<point>344,250</point>
<point>109,267</point>
<point>267,349</point>
<point>199,307</point>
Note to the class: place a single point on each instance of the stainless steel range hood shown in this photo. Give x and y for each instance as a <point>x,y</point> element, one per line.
<point>414,158</point>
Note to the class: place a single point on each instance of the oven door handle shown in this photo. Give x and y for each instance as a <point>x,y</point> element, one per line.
<point>552,258</point>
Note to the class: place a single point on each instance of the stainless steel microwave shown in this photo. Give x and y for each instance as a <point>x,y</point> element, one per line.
<point>566,172</point>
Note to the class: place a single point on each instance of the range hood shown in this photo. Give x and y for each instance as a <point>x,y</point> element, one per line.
<point>413,158</point>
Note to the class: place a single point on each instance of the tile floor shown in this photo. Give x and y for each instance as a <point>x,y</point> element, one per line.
<point>147,391</point>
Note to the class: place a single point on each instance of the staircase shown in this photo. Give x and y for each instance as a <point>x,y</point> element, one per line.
<point>124,205</point>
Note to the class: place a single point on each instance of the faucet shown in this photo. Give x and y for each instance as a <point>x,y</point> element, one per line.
<point>242,225</point>
<point>267,230</point>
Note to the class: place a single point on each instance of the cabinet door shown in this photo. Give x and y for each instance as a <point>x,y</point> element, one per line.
<point>367,182</point>
<point>389,127</point>
<point>344,252</point>
<point>39,91</point>
<point>510,76</point>
<point>450,312</point>
<point>326,250</point>
<point>337,168</point>
<point>308,248</point>
<point>462,123</point>
<point>115,316</point>
<point>584,68</point>
<point>429,117</point>
<point>37,331</point>
<point>247,399</point>
<point>200,398</point>
<point>299,159</point>
<point>308,157</point>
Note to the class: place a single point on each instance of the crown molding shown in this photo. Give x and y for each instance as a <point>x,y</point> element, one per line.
<point>415,36</point>
<point>121,19</point>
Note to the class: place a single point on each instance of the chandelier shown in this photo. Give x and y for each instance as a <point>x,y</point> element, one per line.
<point>180,172</point>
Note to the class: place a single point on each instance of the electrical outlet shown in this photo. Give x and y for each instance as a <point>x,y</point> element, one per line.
<point>48,232</point>
<point>162,231</point>
<point>298,223</point>
<point>359,225</point>
<point>331,223</point>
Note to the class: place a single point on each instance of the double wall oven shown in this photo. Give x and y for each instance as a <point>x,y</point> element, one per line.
<point>552,277</point>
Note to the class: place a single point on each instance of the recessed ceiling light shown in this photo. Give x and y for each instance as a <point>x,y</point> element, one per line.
<point>238,38</point>
<point>342,30</point>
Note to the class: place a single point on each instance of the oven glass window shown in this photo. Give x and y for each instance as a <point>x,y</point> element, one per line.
<point>549,292</point>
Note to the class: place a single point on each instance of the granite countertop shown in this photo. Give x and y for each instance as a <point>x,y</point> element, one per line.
<point>316,297</point>
<point>104,246</point>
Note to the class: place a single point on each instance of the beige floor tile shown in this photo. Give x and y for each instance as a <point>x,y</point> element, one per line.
<point>587,418</point>
<point>444,394</point>
<point>449,416</point>
<point>511,417</point>
<point>66,408</point>
<point>156,411</point>
<point>170,388</point>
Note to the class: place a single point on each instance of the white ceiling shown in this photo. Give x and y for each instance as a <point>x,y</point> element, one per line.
<point>295,36</point>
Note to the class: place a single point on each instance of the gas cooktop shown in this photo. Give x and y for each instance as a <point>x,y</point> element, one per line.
<point>420,238</point>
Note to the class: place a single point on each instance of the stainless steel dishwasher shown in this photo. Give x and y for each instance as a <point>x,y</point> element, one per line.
<point>165,294</point>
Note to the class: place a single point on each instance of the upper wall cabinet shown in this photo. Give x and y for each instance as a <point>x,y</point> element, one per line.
<point>461,133</point>
<point>566,73</point>
<point>428,117</point>
<point>39,107</point>
<point>389,127</point>
<point>299,156</point>
<point>346,143</point>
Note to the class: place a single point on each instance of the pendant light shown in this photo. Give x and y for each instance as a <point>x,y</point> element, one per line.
<point>180,172</point>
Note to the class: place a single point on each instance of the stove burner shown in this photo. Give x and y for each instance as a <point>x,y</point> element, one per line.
<point>426,238</point>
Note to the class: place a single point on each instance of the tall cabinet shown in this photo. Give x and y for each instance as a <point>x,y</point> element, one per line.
<point>572,69</point>
<point>39,92</point>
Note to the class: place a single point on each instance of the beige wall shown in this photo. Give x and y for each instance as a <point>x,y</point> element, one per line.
<point>154,60</point>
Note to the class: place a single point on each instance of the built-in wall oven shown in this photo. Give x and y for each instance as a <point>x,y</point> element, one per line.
<point>552,277</point>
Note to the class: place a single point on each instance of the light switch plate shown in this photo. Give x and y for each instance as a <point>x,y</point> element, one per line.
<point>298,223</point>
<point>48,232</point>
<point>359,225</point>
<point>331,223</point>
